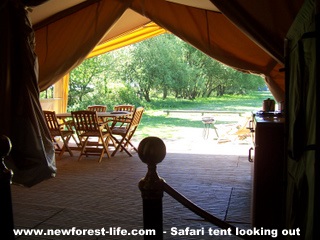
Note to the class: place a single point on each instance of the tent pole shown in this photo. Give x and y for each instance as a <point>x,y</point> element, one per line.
<point>6,214</point>
<point>316,232</point>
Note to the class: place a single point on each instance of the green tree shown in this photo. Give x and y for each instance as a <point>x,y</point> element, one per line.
<point>194,72</point>
<point>163,65</point>
<point>208,76</point>
<point>151,65</point>
<point>89,83</point>
<point>244,83</point>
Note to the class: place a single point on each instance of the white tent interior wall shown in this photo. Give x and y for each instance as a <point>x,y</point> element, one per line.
<point>247,35</point>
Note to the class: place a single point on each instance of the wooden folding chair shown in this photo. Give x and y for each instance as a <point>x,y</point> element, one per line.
<point>58,129</point>
<point>98,108</point>
<point>122,121</point>
<point>126,133</point>
<point>94,137</point>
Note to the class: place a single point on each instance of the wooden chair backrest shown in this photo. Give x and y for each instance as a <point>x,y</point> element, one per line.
<point>137,115</point>
<point>51,120</point>
<point>85,121</point>
<point>124,107</point>
<point>97,108</point>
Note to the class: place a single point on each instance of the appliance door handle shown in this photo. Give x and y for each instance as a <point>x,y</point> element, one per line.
<point>250,127</point>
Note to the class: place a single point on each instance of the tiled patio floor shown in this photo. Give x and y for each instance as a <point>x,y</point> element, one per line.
<point>88,194</point>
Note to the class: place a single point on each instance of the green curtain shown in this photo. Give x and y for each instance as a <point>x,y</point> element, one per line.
<point>301,122</point>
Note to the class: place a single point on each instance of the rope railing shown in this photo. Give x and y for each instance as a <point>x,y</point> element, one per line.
<point>197,210</point>
<point>152,151</point>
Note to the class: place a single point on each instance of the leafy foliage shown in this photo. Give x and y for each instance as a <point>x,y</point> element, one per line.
<point>162,66</point>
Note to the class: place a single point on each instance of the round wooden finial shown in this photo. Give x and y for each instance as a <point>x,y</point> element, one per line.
<point>5,146</point>
<point>152,150</point>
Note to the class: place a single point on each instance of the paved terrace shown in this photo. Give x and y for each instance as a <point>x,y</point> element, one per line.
<point>88,194</point>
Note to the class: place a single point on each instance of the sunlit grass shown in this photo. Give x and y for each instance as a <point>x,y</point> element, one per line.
<point>226,102</point>
<point>156,122</point>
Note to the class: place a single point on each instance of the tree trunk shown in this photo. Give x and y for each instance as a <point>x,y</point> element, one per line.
<point>146,95</point>
<point>164,93</point>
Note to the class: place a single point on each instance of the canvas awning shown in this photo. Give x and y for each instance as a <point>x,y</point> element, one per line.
<point>247,35</point>
<point>147,31</point>
<point>76,31</point>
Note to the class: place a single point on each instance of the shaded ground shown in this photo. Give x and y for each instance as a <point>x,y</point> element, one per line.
<point>216,176</point>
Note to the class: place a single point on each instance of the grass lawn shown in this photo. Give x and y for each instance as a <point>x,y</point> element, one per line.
<point>155,122</point>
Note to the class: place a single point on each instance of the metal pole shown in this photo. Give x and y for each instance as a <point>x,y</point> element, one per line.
<point>152,151</point>
<point>6,215</point>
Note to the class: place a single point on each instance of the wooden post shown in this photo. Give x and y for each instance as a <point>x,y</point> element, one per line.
<point>6,215</point>
<point>152,151</point>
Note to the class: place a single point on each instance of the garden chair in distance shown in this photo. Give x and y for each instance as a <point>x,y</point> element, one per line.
<point>58,129</point>
<point>126,133</point>
<point>98,108</point>
<point>94,137</point>
<point>122,121</point>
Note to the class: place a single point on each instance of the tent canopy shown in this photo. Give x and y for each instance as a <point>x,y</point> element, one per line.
<point>247,35</point>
